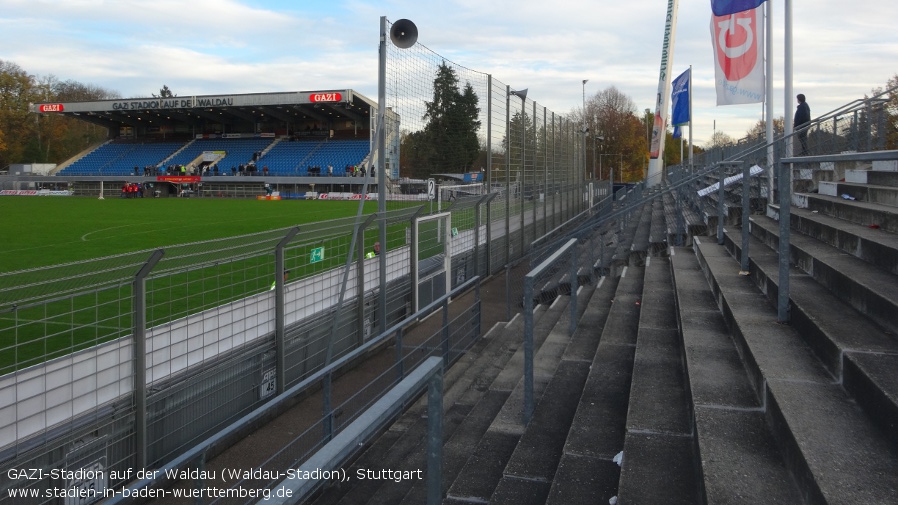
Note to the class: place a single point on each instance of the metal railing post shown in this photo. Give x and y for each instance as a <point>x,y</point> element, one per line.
<point>360,282</point>
<point>528,349</point>
<point>139,336</point>
<point>784,186</point>
<point>327,419</point>
<point>435,439</point>
<point>508,292</point>
<point>400,356</point>
<point>573,305</point>
<point>721,202</point>
<point>478,315</point>
<point>746,213</point>
<point>280,337</point>
<point>680,239</point>
<point>445,332</point>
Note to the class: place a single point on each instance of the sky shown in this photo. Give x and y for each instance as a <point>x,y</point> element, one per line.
<point>842,50</point>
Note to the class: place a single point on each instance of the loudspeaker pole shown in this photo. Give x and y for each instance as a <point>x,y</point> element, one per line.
<point>382,169</point>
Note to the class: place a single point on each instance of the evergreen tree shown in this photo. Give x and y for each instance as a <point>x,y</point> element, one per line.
<point>448,142</point>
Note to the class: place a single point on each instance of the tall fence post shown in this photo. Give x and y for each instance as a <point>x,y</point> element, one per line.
<point>280,270</point>
<point>139,336</point>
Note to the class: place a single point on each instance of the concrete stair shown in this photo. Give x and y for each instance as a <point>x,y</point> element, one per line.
<point>678,362</point>
<point>586,472</point>
<point>658,446</point>
<point>485,466</point>
<point>530,470</point>
<point>833,450</point>
<point>471,402</point>
<point>740,462</point>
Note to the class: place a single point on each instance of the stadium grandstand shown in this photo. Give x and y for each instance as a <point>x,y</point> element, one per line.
<point>294,140</point>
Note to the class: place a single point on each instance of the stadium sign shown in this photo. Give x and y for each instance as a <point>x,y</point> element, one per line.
<point>325,97</point>
<point>175,103</point>
<point>185,179</point>
<point>51,107</point>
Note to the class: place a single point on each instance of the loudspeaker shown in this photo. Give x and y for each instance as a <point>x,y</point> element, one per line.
<point>404,34</point>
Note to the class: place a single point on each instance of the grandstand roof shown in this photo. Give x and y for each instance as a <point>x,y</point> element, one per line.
<point>288,107</point>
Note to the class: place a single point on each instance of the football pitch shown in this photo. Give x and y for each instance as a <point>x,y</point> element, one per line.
<point>44,231</point>
<point>41,232</point>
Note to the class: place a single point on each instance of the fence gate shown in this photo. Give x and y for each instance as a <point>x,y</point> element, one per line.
<point>431,258</point>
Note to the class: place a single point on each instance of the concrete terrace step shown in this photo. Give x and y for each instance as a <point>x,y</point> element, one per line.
<point>639,250</point>
<point>833,450</point>
<point>883,195</point>
<point>629,225</point>
<point>586,473</point>
<point>528,475</point>
<point>740,463</point>
<point>658,449</point>
<point>874,246</point>
<point>658,230</point>
<point>693,224</point>
<point>876,177</point>
<point>863,213</point>
<point>863,286</point>
<point>483,470</point>
<point>856,351</point>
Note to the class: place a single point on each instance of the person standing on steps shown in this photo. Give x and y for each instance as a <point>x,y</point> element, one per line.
<point>802,122</point>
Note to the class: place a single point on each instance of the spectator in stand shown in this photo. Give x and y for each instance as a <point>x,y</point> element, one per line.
<point>330,170</point>
<point>233,170</point>
<point>265,170</point>
<point>802,121</point>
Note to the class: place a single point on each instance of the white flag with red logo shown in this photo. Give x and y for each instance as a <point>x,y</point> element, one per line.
<point>739,56</point>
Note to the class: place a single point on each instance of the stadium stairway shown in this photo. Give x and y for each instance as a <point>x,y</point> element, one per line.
<point>678,385</point>
<point>489,454</point>
<point>824,417</point>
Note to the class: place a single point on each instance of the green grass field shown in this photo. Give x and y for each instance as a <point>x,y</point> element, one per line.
<point>47,231</point>
<point>41,232</point>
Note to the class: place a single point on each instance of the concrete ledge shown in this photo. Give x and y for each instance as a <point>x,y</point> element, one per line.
<point>833,449</point>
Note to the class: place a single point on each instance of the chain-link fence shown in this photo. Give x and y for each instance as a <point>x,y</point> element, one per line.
<point>125,362</point>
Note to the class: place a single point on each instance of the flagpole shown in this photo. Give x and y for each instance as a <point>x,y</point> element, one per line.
<point>787,75</point>
<point>690,118</point>
<point>768,97</point>
<point>659,132</point>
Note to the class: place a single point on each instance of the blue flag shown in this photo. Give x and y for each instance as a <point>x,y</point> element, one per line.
<point>679,98</point>
<point>677,133</point>
<point>727,7</point>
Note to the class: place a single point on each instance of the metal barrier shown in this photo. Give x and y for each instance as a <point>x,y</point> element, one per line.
<point>551,267</point>
<point>326,461</point>
<point>441,344</point>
